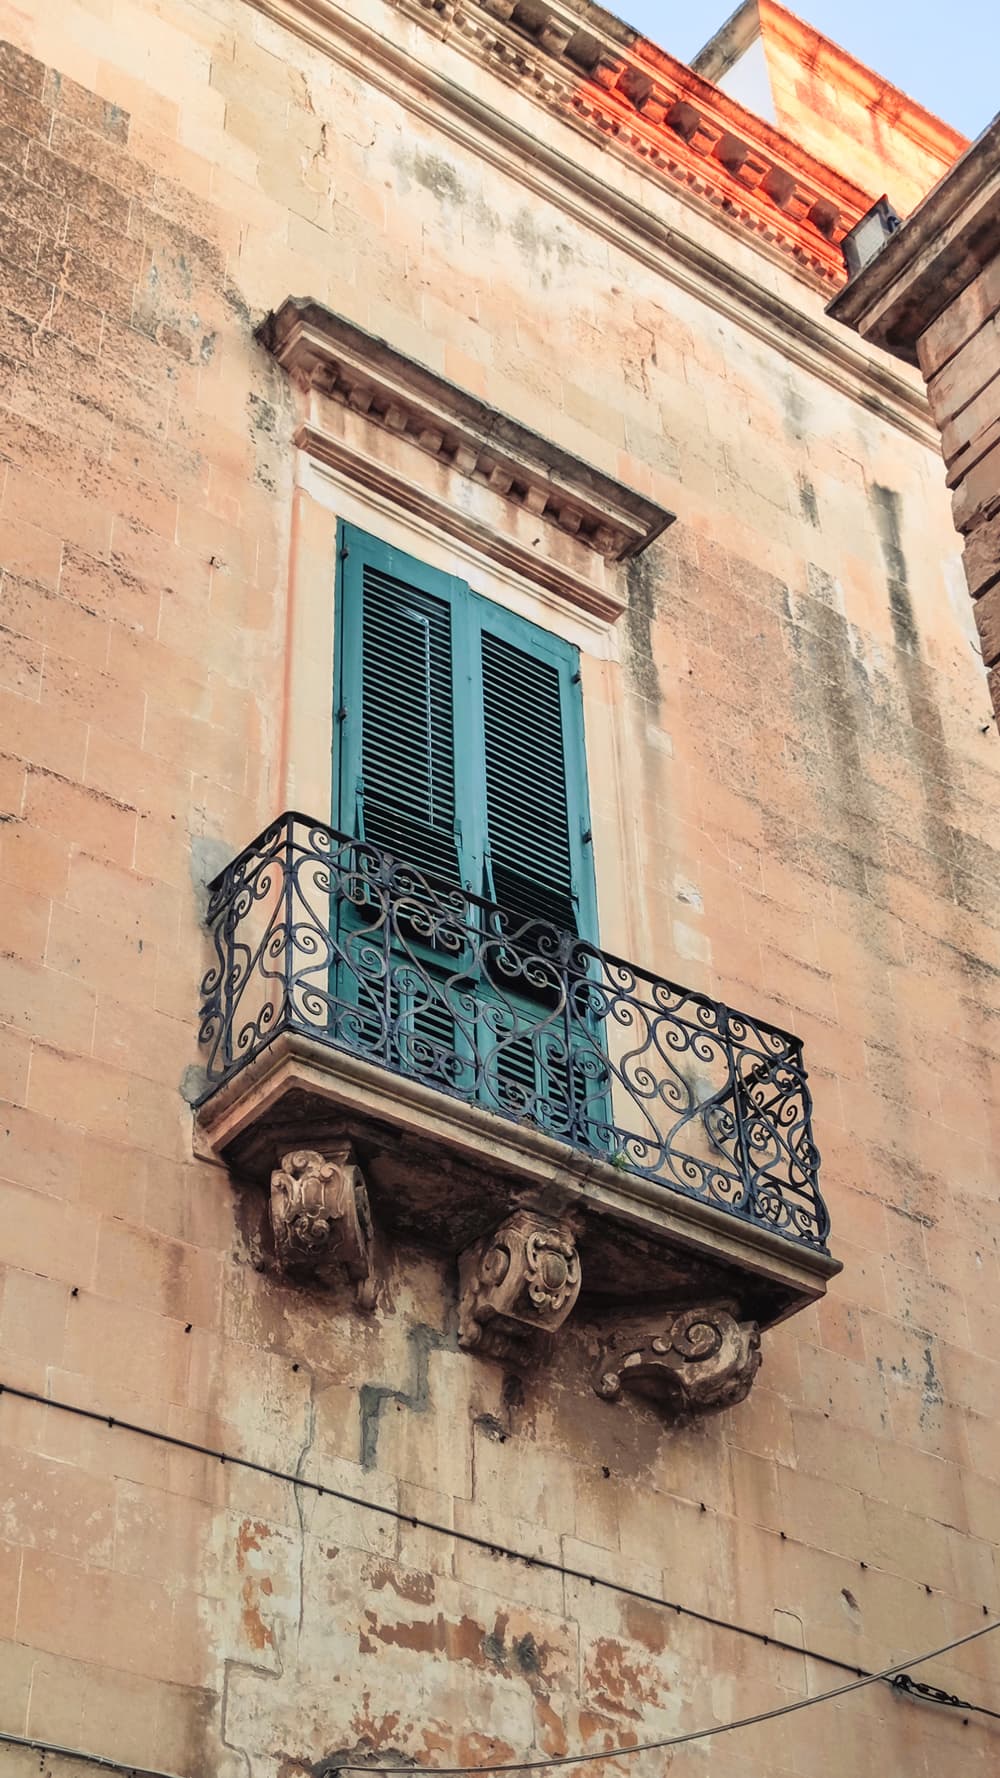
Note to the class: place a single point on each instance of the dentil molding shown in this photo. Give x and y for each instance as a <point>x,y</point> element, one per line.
<point>376,416</point>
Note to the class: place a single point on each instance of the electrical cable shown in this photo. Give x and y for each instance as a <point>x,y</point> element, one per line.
<point>719,1728</point>
<point>102,1761</point>
<point>538,1765</point>
<point>418,1523</point>
<point>472,1538</point>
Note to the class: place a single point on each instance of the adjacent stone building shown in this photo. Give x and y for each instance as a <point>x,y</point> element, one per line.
<point>933,297</point>
<point>498,780</point>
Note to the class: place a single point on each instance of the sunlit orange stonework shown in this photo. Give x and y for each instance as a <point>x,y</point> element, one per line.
<point>344,1420</point>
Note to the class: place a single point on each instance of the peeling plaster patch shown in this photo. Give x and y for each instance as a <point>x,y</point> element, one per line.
<point>462,1641</point>
<point>689,893</point>
<point>256,1631</point>
<point>620,1683</point>
<point>417,1588</point>
<point>251,1535</point>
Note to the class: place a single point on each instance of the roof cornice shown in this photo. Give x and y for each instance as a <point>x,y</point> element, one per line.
<point>939,250</point>
<point>645,106</point>
<point>592,198</point>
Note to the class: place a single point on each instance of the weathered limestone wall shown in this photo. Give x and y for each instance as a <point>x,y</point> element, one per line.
<point>794,790</point>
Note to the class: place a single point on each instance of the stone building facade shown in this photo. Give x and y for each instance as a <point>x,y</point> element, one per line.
<point>932,298</point>
<point>421,1343</point>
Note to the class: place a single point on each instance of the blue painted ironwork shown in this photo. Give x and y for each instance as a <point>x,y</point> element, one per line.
<point>323,934</point>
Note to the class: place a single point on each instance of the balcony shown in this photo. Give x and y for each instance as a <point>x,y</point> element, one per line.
<point>385,1048</point>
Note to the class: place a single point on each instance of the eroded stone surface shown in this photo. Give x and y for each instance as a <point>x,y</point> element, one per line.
<point>322,1220</point>
<point>692,1361</point>
<point>786,720</point>
<point>517,1286</point>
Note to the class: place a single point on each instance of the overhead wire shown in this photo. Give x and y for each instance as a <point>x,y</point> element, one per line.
<point>104,1762</point>
<point>474,1539</point>
<point>332,1769</point>
<point>666,1741</point>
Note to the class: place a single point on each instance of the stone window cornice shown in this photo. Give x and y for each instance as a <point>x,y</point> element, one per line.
<point>369,409</point>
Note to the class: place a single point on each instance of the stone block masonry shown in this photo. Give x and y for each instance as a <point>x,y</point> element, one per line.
<point>793,809</point>
<point>933,297</point>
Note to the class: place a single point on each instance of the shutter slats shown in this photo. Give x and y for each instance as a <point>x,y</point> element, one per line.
<point>408,767</point>
<point>527,814</point>
<point>408,740</point>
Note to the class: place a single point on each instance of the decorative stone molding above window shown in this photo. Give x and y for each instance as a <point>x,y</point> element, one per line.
<point>367,409</point>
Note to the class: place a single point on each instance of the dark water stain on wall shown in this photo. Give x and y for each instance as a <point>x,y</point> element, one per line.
<point>926,743</point>
<point>832,696</point>
<point>808,503</point>
<point>640,616</point>
<point>885,506</point>
<point>436,175</point>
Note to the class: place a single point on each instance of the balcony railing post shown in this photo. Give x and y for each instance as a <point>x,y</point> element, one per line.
<point>738,1109</point>
<point>287,1012</point>
<point>228,966</point>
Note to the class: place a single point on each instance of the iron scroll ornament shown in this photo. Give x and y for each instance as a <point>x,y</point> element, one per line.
<point>317,932</point>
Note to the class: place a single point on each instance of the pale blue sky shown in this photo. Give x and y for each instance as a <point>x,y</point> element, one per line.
<point>946,56</point>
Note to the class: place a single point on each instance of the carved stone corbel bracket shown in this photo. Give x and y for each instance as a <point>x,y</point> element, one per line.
<point>690,1361</point>
<point>517,1286</point>
<point>322,1221</point>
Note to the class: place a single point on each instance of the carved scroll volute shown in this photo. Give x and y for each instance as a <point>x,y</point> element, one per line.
<point>690,1361</point>
<point>517,1286</point>
<point>322,1220</point>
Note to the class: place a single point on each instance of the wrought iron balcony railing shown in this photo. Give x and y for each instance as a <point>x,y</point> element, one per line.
<point>329,937</point>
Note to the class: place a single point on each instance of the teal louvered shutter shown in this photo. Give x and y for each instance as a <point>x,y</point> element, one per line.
<point>397,780</point>
<point>408,724</point>
<point>460,750</point>
<point>527,809</point>
<point>460,740</point>
<point>545,1062</point>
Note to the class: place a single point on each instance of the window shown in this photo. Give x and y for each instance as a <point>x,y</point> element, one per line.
<point>460,755</point>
